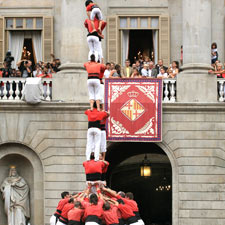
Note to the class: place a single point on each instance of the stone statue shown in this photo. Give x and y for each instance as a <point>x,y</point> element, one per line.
<point>15,193</point>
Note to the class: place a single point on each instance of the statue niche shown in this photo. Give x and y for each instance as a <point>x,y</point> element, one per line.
<point>15,192</point>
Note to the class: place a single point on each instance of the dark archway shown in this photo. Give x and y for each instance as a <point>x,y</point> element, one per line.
<point>124,174</point>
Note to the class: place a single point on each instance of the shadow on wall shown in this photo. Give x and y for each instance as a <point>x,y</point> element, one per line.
<point>29,167</point>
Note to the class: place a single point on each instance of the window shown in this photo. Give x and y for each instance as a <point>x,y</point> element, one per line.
<point>39,23</point>
<point>9,23</point>
<point>29,23</point>
<point>125,30</point>
<point>32,23</point>
<point>132,22</point>
<point>19,23</point>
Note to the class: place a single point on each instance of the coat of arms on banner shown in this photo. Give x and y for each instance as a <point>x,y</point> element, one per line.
<point>135,107</point>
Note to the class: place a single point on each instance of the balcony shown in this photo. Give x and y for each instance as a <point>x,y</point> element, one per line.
<point>11,89</point>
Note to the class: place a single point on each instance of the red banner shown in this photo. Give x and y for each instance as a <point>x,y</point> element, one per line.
<point>135,107</point>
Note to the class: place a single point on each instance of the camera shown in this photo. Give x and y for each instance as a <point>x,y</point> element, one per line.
<point>8,64</point>
<point>8,59</point>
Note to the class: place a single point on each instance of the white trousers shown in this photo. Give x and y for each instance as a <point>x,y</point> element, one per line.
<point>131,223</point>
<point>103,141</point>
<point>102,89</point>
<point>95,47</point>
<point>94,89</point>
<point>93,139</point>
<point>60,223</point>
<point>53,220</point>
<point>93,44</point>
<point>91,223</point>
<point>141,222</point>
<point>96,12</point>
<point>99,50</point>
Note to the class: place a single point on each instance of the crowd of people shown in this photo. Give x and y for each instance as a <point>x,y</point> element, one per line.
<point>142,69</point>
<point>97,204</point>
<point>26,69</point>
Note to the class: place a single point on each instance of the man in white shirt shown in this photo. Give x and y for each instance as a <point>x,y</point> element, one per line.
<point>107,71</point>
<point>144,71</point>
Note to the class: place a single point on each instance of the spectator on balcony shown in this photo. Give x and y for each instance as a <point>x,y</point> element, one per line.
<point>107,70</point>
<point>138,66</point>
<point>162,74</point>
<point>127,70</point>
<point>115,73</point>
<point>136,74</point>
<point>25,68</point>
<point>112,67</point>
<point>46,74</point>
<point>160,65</point>
<point>146,60</point>
<point>144,71</point>
<point>134,66</point>
<point>55,63</point>
<point>37,71</point>
<point>174,69</point>
<point>152,71</point>
<point>214,53</point>
<point>219,71</point>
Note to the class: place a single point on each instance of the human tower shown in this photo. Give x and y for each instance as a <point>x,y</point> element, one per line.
<point>97,204</point>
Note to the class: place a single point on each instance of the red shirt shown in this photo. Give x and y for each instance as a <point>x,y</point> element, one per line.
<point>95,115</point>
<point>89,7</point>
<point>94,69</point>
<point>131,203</point>
<point>126,211</point>
<point>111,216</point>
<point>60,206</point>
<point>105,168</point>
<point>75,214</point>
<point>93,210</point>
<point>65,210</point>
<point>87,24</point>
<point>49,75</point>
<point>93,169</point>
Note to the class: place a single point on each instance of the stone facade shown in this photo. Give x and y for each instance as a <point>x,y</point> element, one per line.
<point>49,139</point>
<point>52,138</point>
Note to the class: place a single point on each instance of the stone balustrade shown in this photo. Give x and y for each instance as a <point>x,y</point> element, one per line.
<point>169,90</point>
<point>221,89</point>
<point>11,89</point>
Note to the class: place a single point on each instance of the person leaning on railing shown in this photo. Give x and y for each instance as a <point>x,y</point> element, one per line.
<point>115,73</point>
<point>173,70</point>
<point>219,71</point>
<point>46,74</point>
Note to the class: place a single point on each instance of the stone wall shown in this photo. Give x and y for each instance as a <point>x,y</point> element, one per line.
<point>193,139</point>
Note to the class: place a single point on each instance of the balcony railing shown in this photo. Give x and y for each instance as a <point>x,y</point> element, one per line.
<point>11,89</point>
<point>169,90</point>
<point>221,89</point>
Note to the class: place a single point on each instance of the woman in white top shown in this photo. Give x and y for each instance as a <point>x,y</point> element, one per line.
<point>37,71</point>
<point>162,74</point>
<point>174,70</point>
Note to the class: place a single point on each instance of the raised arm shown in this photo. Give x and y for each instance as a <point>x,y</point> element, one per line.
<point>111,192</point>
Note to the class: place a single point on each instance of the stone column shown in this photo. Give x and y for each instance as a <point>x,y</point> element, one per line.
<point>218,26</point>
<point>194,84</point>
<point>70,84</point>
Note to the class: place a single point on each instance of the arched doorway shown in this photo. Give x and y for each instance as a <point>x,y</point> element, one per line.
<point>124,175</point>
<point>30,168</point>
